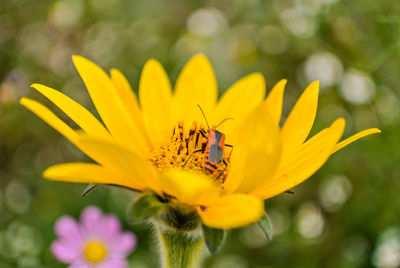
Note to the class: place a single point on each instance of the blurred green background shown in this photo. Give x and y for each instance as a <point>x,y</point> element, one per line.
<point>346,215</point>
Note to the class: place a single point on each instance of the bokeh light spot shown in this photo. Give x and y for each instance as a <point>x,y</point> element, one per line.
<point>310,222</point>
<point>18,197</point>
<point>387,252</point>
<point>300,21</point>
<point>334,192</point>
<point>66,13</point>
<point>357,87</point>
<point>23,240</point>
<point>323,66</point>
<point>206,22</point>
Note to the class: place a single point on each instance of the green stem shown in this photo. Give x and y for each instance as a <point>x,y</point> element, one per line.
<point>180,239</point>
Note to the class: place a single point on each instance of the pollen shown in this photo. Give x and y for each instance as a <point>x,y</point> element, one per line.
<point>186,150</point>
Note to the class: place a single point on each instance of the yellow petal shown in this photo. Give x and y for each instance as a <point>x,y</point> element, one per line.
<point>189,188</point>
<point>128,97</point>
<point>87,173</point>
<point>256,152</point>
<point>110,155</point>
<point>125,92</point>
<point>355,137</point>
<point>50,118</point>
<point>232,211</point>
<point>75,111</point>
<point>274,100</point>
<point>196,85</point>
<point>312,155</point>
<point>300,120</point>
<point>110,106</point>
<point>155,100</point>
<point>119,159</point>
<point>239,100</point>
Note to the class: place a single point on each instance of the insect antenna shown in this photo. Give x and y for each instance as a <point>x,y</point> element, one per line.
<point>226,119</point>
<point>205,118</point>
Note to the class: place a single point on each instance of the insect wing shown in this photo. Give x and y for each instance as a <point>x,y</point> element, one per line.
<point>216,149</point>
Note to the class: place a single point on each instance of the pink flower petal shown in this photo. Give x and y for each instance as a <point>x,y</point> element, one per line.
<point>123,244</point>
<point>66,251</point>
<point>113,263</point>
<point>79,265</point>
<point>90,220</point>
<point>110,228</point>
<point>67,228</point>
<point>94,225</point>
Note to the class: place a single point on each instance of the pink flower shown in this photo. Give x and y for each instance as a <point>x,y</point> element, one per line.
<point>95,242</point>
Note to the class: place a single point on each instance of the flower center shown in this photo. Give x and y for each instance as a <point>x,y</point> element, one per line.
<point>95,251</point>
<point>190,150</point>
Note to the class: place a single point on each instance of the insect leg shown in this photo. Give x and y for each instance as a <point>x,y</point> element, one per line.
<point>222,172</point>
<point>225,163</point>
<point>203,133</point>
<point>195,151</point>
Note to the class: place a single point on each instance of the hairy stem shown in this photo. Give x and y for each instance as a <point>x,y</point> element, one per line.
<point>180,239</point>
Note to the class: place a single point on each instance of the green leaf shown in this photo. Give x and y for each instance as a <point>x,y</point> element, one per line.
<point>214,238</point>
<point>146,205</point>
<point>266,226</point>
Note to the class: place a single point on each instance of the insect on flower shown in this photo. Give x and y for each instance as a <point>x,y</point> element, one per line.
<point>213,147</point>
<point>223,188</point>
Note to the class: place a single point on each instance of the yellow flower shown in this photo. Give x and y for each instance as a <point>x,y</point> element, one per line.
<point>155,143</point>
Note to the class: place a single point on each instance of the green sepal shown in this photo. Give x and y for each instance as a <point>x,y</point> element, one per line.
<point>146,205</point>
<point>266,226</point>
<point>89,188</point>
<point>213,238</point>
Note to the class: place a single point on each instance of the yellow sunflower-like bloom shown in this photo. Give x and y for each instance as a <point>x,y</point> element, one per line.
<point>155,143</point>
